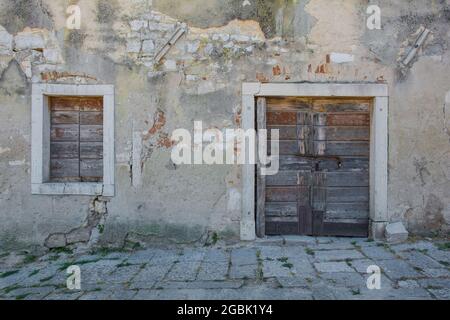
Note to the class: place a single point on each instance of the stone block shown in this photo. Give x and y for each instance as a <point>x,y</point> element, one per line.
<point>78,235</point>
<point>6,42</point>
<point>30,39</point>
<point>134,45</point>
<point>137,25</point>
<point>57,240</point>
<point>396,233</point>
<point>148,46</point>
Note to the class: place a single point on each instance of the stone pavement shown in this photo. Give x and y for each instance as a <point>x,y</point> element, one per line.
<point>280,268</point>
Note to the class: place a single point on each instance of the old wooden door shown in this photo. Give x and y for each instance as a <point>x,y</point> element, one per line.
<point>322,187</point>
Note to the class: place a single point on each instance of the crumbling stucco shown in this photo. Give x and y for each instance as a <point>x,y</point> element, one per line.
<point>199,79</point>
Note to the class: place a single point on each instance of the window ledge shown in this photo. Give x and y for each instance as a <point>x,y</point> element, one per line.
<point>76,188</point>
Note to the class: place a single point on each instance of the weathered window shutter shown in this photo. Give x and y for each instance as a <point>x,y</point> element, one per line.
<point>76,139</point>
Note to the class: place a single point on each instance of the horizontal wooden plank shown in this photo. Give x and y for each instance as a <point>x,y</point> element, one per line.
<point>334,148</point>
<point>282,228</point>
<point>347,194</point>
<point>347,179</point>
<point>91,104</point>
<point>91,118</point>
<point>296,163</point>
<point>359,229</point>
<point>285,132</point>
<point>344,106</point>
<point>65,132</point>
<point>292,219</point>
<point>281,209</point>
<point>288,103</point>
<point>64,150</point>
<point>346,164</point>
<point>91,168</point>
<point>340,133</point>
<point>292,162</point>
<point>64,104</point>
<point>68,168</point>
<point>65,117</point>
<point>286,194</point>
<point>283,178</point>
<point>342,119</point>
<point>91,150</point>
<point>281,118</point>
<point>355,210</point>
<point>91,133</point>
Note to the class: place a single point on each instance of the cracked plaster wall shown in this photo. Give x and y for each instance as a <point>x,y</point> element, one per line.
<point>200,79</point>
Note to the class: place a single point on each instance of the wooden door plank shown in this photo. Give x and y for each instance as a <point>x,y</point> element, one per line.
<point>64,150</point>
<point>281,118</point>
<point>342,133</point>
<point>91,168</point>
<point>65,132</point>
<point>91,150</point>
<point>347,195</point>
<point>281,209</point>
<point>91,104</point>
<point>333,148</point>
<point>65,117</point>
<point>261,119</point>
<point>91,133</point>
<point>284,194</point>
<point>348,179</point>
<point>64,168</point>
<point>91,118</point>
<point>360,229</point>
<point>286,132</point>
<point>352,210</point>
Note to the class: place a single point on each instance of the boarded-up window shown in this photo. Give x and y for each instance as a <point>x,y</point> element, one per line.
<point>76,140</point>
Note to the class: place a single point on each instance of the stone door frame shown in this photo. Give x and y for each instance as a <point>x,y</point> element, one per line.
<point>379,143</point>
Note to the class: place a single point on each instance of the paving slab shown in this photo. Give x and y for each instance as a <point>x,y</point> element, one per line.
<point>243,272</point>
<point>337,255</point>
<point>328,267</point>
<point>184,271</point>
<point>213,271</point>
<point>147,277</point>
<point>398,269</point>
<point>377,253</point>
<point>243,256</point>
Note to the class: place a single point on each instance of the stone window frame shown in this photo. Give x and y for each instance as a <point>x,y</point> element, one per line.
<point>40,140</point>
<point>379,141</point>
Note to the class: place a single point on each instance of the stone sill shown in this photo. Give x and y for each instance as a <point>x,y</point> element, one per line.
<point>77,188</point>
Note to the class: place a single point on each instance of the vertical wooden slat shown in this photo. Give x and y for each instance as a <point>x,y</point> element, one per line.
<point>319,201</point>
<point>304,203</point>
<point>261,180</point>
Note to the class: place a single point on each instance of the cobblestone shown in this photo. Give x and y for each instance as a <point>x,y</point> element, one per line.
<point>304,268</point>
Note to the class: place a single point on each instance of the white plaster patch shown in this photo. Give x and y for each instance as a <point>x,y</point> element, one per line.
<point>17,163</point>
<point>447,98</point>
<point>4,150</point>
<point>234,200</point>
<point>336,57</point>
